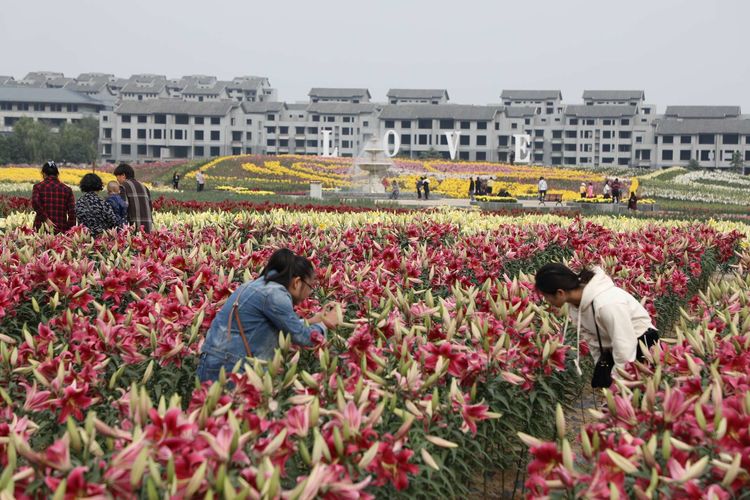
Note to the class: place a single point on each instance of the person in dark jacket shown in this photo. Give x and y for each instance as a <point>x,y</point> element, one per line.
<point>137,196</point>
<point>53,201</point>
<point>91,210</point>
<point>176,180</point>
<point>115,201</point>
<point>419,188</point>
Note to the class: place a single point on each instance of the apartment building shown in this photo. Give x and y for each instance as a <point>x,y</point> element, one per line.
<point>147,117</point>
<point>53,106</point>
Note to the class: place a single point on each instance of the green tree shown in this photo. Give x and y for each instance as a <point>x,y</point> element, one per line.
<point>34,142</point>
<point>431,154</point>
<point>693,164</point>
<point>737,162</point>
<point>78,141</point>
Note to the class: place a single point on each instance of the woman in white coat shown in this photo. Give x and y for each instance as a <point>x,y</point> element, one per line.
<point>605,314</point>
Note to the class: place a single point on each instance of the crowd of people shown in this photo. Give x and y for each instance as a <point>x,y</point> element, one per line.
<point>128,202</point>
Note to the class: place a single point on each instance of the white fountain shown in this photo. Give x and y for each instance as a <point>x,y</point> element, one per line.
<point>370,167</point>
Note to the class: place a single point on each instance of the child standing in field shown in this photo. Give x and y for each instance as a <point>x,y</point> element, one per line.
<point>114,200</point>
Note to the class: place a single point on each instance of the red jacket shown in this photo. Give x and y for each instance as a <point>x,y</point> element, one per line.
<point>54,201</point>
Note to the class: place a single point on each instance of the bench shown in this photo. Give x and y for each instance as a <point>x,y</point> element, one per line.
<point>557,198</point>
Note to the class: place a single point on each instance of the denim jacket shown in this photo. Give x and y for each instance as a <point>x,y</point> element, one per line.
<point>264,309</point>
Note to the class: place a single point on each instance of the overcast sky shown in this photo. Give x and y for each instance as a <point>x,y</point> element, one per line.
<point>679,52</point>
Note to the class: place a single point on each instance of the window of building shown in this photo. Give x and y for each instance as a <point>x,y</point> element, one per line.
<point>405,139</point>
<point>236,135</point>
<point>215,135</point>
<point>465,125</point>
<point>284,130</point>
<point>463,155</point>
<point>446,124</point>
<point>270,142</point>
<point>198,135</point>
<point>161,119</point>
<point>299,143</point>
<point>514,126</point>
<point>606,134</point>
<point>142,150</point>
<point>141,133</point>
<point>606,148</point>
<point>347,119</point>
<point>606,122</point>
<point>107,133</point>
<point>390,124</point>
<point>422,139</point>
<point>464,140</point>
<point>502,140</point>
<point>557,146</point>
<point>625,134</point>
<point>125,133</point>
<point>365,123</point>
<point>623,148</point>
<point>198,120</point>
<point>125,118</point>
<point>643,154</point>
<point>557,134</point>
<point>667,139</point>
<point>527,121</point>
<point>125,149</point>
<point>215,120</point>
<point>248,136</point>
<point>198,151</point>
<point>730,139</point>
<point>330,119</point>
<point>570,147</point>
<point>424,124</point>
<point>249,121</point>
<point>608,159</point>
<point>667,155</point>
<point>405,123</point>
<point>585,159</point>
<point>573,121</point>
<point>215,151</point>
<point>625,121</point>
<point>312,130</point>
<point>142,118</point>
<point>570,134</point>
<point>481,156</point>
<point>283,143</point>
<point>156,133</point>
<point>312,143</point>
<point>270,130</point>
<point>271,118</point>
<point>346,131</point>
<point>623,161</point>
<point>481,140</point>
<point>705,138</point>
<point>685,155</point>
<point>481,125</point>
<point>316,118</point>
<point>299,130</point>
<point>685,139</point>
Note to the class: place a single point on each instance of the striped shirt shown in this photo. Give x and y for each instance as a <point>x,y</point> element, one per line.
<point>139,204</point>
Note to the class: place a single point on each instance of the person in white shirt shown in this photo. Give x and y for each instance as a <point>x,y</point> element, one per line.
<point>542,187</point>
<point>605,314</point>
<point>200,180</point>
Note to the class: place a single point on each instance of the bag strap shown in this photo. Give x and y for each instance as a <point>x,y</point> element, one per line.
<point>598,337</point>
<point>234,313</point>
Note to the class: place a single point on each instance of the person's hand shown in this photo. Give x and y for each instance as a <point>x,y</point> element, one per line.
<point>331,314</point>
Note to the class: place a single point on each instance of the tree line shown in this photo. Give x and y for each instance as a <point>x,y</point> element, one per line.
<point>36,142</point>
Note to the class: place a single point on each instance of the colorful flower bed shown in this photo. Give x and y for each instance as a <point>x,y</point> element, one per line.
<point>677,428</point>
<point>443,356</point>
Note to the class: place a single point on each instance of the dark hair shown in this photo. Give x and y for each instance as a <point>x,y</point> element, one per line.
<point>91,183</point>
<point>287,265</point>
<point>553,277</point>
<point>126,170</point>
<point>50,168</point>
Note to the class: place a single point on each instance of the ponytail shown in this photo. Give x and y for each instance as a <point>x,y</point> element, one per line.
<point>284,265</point>
<point>553,277</point>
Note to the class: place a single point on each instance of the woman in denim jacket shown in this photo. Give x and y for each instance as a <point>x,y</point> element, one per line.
<point>249,322</point>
